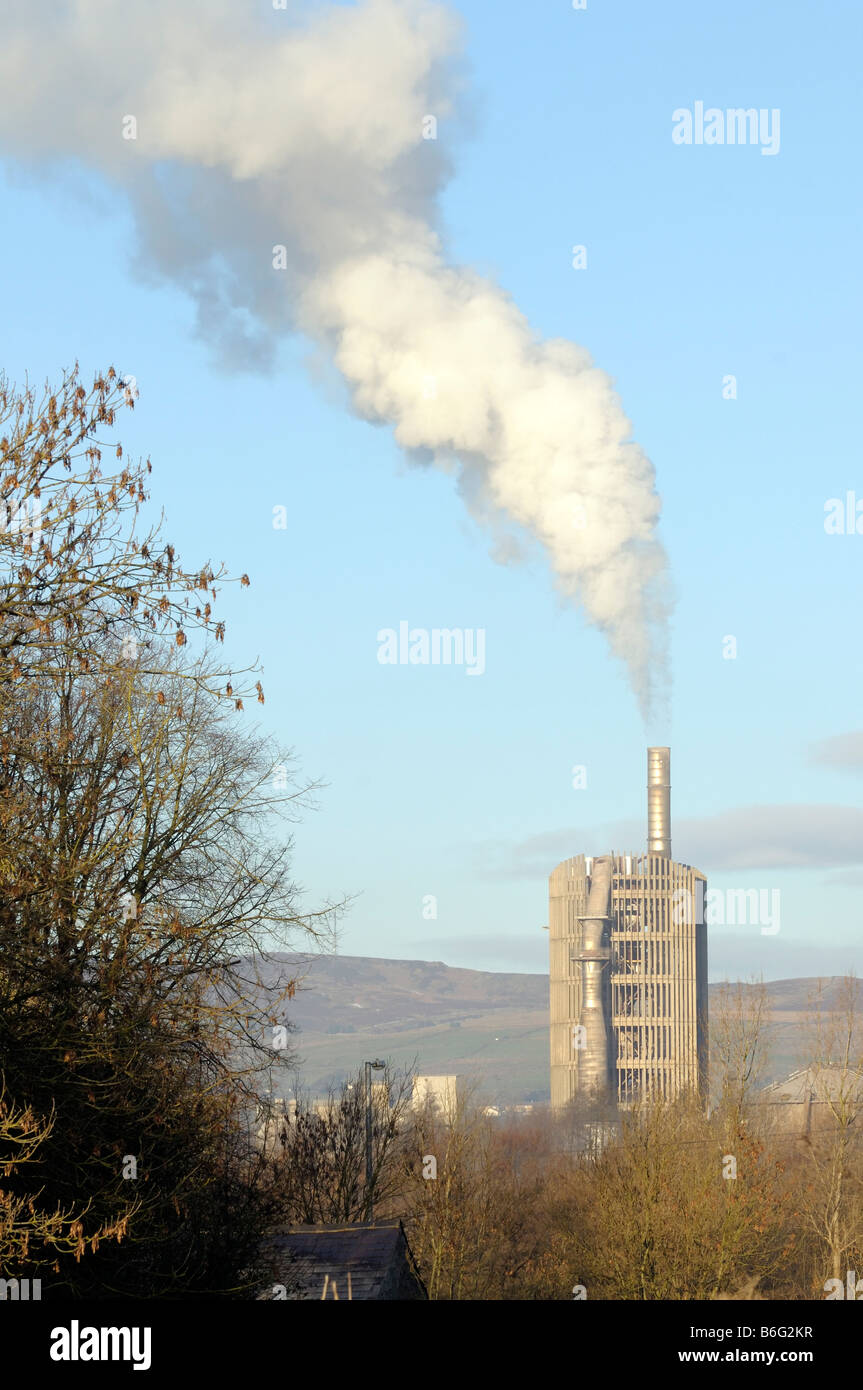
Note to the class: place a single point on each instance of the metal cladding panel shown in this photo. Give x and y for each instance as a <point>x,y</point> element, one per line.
<point>567,903</point>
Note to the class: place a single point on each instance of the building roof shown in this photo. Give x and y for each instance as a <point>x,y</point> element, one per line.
<point>362,1261</point>
<point>819,1083</point>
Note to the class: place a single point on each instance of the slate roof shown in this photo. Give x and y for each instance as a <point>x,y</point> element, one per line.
<point>363,1261</point>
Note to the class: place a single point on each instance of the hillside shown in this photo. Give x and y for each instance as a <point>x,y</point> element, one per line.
<point>487,1025</point>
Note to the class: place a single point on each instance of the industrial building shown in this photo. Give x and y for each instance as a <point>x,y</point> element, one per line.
<point>628,967</point>
<point>440,1092</point>
<point>806,1103</point>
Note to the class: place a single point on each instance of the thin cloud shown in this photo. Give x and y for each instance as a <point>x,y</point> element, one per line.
<point>842,751</point>
<point>744,838</point>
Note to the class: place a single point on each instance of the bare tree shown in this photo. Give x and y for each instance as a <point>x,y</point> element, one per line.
<point>320,1175</point>
<point>72,564</point>
<point>30,1234</point>
<point>833,1201</point>
<point>739,1049</point>
<point>473,1201</point>
<point>144,863</point>
<point>661,1213</point>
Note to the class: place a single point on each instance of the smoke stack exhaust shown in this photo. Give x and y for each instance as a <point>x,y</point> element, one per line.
<point>273,126</point>
<point>659,801</point>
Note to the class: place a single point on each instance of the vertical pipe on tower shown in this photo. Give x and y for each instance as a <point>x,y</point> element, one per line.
<point>659,801</point>
<point>595,1053</point>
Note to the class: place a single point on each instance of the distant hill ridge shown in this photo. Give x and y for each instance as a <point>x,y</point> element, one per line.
<point>421,989</point>
<point>365,991</point>
<point>487,1024</point>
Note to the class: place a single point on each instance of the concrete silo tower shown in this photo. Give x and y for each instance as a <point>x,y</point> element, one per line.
<point>628,966</point>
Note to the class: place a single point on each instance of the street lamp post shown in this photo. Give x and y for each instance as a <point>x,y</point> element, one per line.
<point>378,1066</point>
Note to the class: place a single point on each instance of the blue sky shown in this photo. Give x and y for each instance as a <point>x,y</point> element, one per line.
<point>702,261</point>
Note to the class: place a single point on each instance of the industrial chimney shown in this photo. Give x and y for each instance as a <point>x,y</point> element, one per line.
<point>628,969</point>
<point>659,801</point>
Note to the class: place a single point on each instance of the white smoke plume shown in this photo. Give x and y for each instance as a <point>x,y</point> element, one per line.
<point>304,128</point>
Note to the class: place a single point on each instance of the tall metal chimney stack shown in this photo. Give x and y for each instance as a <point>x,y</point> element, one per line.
<point>659,801</point>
